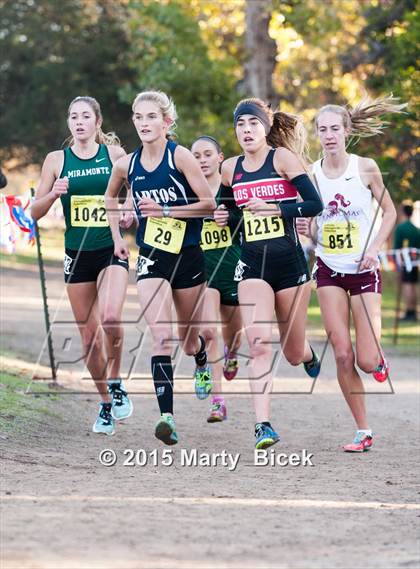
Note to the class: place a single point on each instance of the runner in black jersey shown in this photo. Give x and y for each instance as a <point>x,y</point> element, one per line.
<point>170,196</point>
<point>221,254</point>
<point>265,184</point>
<point>96,279</point>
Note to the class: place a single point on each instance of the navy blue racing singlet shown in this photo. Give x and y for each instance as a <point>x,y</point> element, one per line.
<point>165,185</point>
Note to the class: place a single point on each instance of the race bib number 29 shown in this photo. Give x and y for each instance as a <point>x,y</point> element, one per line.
<point>88,211</point>
<point>166,234</point>
<point>259,227</point>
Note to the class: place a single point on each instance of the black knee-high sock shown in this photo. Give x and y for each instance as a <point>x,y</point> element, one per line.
<point>164,382</point>
<point>201,356</point>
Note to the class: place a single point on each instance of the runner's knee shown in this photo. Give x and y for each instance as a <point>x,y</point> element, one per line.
<point>92,341</point>
<point>344,357</point>
<point>162,343</point>
<point>260,350</point>
<point>367,363</point>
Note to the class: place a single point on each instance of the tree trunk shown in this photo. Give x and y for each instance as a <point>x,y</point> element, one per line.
<point>261,51</point>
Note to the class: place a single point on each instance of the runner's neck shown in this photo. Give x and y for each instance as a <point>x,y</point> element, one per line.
<point>85,148</point>
<point>334,165</point>
<point>214,182</point>
<point>254,161</point>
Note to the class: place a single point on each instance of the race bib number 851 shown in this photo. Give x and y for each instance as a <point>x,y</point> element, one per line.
<point>88,211</point>
<point>166,234</point>
<point>259,227</point>
<point>341,237</point>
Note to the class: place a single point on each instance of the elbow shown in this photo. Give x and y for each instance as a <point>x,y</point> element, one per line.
<point>34,214</point>
<point>316,208</point>
<point>209,206</point>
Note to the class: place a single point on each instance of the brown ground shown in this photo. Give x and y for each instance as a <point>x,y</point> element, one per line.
<point>62,509</point>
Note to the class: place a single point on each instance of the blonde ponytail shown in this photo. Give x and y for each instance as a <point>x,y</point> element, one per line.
<point>366,118</point>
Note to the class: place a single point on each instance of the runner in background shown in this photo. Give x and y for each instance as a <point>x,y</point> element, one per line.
<point>265,183</point>
<point>408,235</point>
<point>170,196</point>
<point>96,279</point>
<point>347,266</point>
<point>221,255</point>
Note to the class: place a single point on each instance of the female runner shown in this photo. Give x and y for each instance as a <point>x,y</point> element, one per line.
<point>170,196</point>
<point>96,279</point>
<point>221,255</point>
<point>265,183</point>
<point>347,267</point>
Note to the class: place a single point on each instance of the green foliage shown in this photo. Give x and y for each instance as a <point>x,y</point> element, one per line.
<point>23,403</point>
<point>328,52</point>
<point>168,53</point>
<point>52,52</point>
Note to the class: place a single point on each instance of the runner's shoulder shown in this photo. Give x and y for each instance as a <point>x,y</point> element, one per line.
<point>116,152</point>
<point>228,167</point>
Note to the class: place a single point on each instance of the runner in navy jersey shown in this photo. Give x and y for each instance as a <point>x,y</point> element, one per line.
<point>347,266</point>
<point>170,197</point>
<point>273,276</point>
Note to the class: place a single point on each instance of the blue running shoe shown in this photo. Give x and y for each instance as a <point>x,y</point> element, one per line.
<point>104,423</point>
<point>313,367</point>
<point>165,429</point>
<point>203,382</point>
<point>122,407</point>
<point>265,436</point>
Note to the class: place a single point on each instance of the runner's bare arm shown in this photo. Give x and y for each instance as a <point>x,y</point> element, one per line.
<point>372,178</point>
<point>116,181</point>
<point>50,186</point>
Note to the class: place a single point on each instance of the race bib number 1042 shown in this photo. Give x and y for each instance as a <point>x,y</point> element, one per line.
<point>88,211</point>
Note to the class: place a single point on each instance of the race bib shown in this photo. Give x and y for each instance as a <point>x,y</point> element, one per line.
<point>215,237</point>
<point>165,233</point>
<point>258,227</point>
<point>88,211</point>
<point>341,237</point>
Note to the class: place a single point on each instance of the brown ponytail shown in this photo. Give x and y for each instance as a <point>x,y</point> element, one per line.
<point>288,130</point>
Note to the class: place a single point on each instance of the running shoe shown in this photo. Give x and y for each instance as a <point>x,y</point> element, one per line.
<point>122,407</point>
<point>218,412</point>
<point>382,371</point>
<point>360,443</point>
<point>313,367</point>
<point>203,382</point>
<point>265,436</point>
<point>104,423</point>
<point>230,367</point>
<point>165,429</point>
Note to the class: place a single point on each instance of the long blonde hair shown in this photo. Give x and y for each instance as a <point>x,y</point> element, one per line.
<point>366,118</point>
<point>286,130</point>
<point>108,138</point>
<point>163,102</point>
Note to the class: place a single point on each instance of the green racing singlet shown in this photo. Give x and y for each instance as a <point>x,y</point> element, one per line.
<point>87,227</point>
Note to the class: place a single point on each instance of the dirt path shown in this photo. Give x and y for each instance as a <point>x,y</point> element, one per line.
<point>63,509</point>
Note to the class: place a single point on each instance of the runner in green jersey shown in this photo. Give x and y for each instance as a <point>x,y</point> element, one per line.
<point>221,255</point>
<point>96,279</point>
